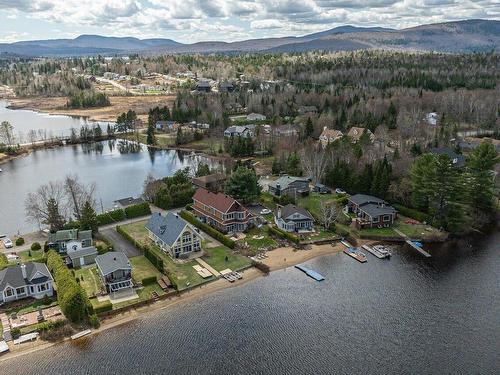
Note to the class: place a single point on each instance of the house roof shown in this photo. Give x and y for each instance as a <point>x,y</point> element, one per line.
<point>13,276</point>
<point>331,133</point>
<point>356,132</point>
<point>203,84</point>
<point>219,201</point>
<point>238,129</point>
<point>374,209</point>
<point>86,251</point>
<point>361,199</point>
<point>284,129</point>
<point>291,209</point>
<point>255,116</point>
<point>460,159</point>
<point>129,201</point>
<point>70,234</point>
<point>286,180</point>
<point>168,228</point>
<point>112,261</point>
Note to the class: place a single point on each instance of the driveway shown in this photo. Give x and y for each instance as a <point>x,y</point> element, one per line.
<point>120,243</point>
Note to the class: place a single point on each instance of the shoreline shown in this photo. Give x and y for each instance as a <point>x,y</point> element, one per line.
<point>280,258</point>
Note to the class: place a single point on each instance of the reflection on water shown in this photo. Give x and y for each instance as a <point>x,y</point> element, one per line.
<point>117,167</point>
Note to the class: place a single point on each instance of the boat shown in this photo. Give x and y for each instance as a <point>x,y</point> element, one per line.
<point>309,272</point>
<point>356,254</point>
<point>378,250</point>
<point>1,170</point>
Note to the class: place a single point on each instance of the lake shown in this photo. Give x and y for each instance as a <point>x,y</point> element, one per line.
<point>47,126</point>
<point>116,175</point>
<point>406,315</point>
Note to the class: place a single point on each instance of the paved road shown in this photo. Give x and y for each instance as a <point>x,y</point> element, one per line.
<point>120,243</point>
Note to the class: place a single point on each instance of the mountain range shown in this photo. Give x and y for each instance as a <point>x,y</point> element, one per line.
<point>459,36</point>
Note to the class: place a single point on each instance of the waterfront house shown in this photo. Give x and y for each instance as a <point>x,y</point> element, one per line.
<point>115,271</point>
<point>371,211</point>
<point>256,117</point>
<point>289,185</point>
<point>166,125</point>
<point>70,238</point>
<point>329,136</point>
<point>25,280</point>
<point>291,218</point>
<point>213,182</point>
<point>221,211</point>
<point>173,235</point>
<point>129,201</point>
<point>246,131</point>
<point>457,160</point>
<point>355,133</point>
<point>322,189</point>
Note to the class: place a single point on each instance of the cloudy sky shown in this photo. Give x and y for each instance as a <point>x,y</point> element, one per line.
<point>228,20</point>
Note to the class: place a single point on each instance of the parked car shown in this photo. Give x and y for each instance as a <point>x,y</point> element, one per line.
<point>340,191</point>
<point>265,211</point>
<point>12,256</point>
<point>7,243</point>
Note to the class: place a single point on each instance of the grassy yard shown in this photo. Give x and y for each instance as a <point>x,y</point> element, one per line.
<point>216,257</point>
<point>89,280</point>
<point>257,244</point>
<point>138,231</point>
<point>321,233</point>
<point>143,293</point>
<point>36,256</point>
<point>413,231</point>
<point>27,308</point>
<point>142,268</point>
<point>266,199</point>
<point>312,202</point>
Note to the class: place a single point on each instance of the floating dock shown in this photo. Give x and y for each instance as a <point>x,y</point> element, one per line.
<point>416,246</point>
<point>80,334</point>
<point>309,272</point>
<point>376,252</point>
<point>354,253</point>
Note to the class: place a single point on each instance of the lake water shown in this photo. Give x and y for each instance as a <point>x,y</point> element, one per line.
<point>46,125</point>
<point>406,315</point>
<point>116,175</point>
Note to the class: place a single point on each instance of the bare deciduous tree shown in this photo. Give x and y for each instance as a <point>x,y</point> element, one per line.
<point>314,161</point>
<point>78,193</point>
<point>37,203</point>
<point>329,213</point>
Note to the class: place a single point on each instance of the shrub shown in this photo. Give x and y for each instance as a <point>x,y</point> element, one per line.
<point>72,225</point>
<point>154,258</point>
<point>412,213</point>
<point>71,297</point>
<point>3,261</point>
<point>111,217</point>
<point>36,246</point>
<point>20,241</point>
<point>208,229</point>
<point>141,209</point>
<point>105,306</point>
<point>15,332</point>
<point>149,280</point>
<point>129,238</point>
<point>280,233</point>
<point>94,321</point>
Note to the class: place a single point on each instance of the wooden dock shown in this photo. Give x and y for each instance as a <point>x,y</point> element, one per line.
<point>412,243</point>
<point>80,334</point>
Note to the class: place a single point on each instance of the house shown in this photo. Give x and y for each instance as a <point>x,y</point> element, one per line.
<point>256,117</point>
<point>79,257</point>
<point>431,118</point>
<point>129,201</point>
<point>289,185</point>
<point>115,271</point>
<point>329,136</point>
<point>355,133</point>
<point>25,280</point>
<point>226,87</point>
<point>221,211</point>
<point>322,189</point>
<point>203,86</point>
<point>213,182</point>
<point>287,131</point>
<point>234,131</point>
<point>371,211</point>
<point>307,109</point>
<point>70,238</point>
<point>457,160</point>
<point>173,235</point>
<point>291,218</point>
<point>166,125</point>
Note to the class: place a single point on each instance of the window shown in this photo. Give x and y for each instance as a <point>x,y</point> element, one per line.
<point>375,219</point>
<point>387,217</point>
<point>9,292</point>
<point>42,287</point>
<point>20,291</point>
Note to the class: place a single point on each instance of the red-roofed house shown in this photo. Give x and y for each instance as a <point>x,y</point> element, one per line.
<point>221,211</point>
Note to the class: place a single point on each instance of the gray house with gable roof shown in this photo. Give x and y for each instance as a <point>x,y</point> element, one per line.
<point>371,211</point>
<point>173,235</point>
<point>291,218</point>
<point>115,271</point>
<point>289,185</point>
<point>25,280</point>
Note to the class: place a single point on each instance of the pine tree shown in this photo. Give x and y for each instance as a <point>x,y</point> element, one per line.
<point>243,185</point>
<point>89,218</point>
<point>54,220</point>
<point>151,139</point>
<point>309,130</point>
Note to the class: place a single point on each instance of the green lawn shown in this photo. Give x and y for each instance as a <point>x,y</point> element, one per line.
<point>142,268</point>
<point>32,306</point>
<point>266,199</point>
<point>91,281</point>
<point>143,293</point>
<point>413,231</point>
<point>321,233</point>
<point>216,257</point>
<point>312,202</point>
<point>257,245</point>
<point>36,256</point>
<point>138,231</point>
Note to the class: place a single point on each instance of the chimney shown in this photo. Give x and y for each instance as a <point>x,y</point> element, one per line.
<point>279,213</point>
<point>23,270</point>
<point>324,127</point>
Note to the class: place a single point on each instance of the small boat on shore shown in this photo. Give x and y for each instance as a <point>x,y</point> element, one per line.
<point>378,250</point>
<point>356,254</point>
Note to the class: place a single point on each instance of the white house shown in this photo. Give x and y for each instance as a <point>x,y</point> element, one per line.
<point>173,235</point>
<point>291,218</point>
<point>25,280</point>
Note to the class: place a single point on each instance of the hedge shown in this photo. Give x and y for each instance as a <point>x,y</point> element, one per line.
<point>71,296</point>
<point>129,238</point>
<point>141,209</point>
<point>149,280</point>
<point>208,229</point>
<point>105,306</point>
<point>155,259</point>
<point>280,233</point>
<point>3,261</point>
<point>110,217</point>
<point>413,213</point>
